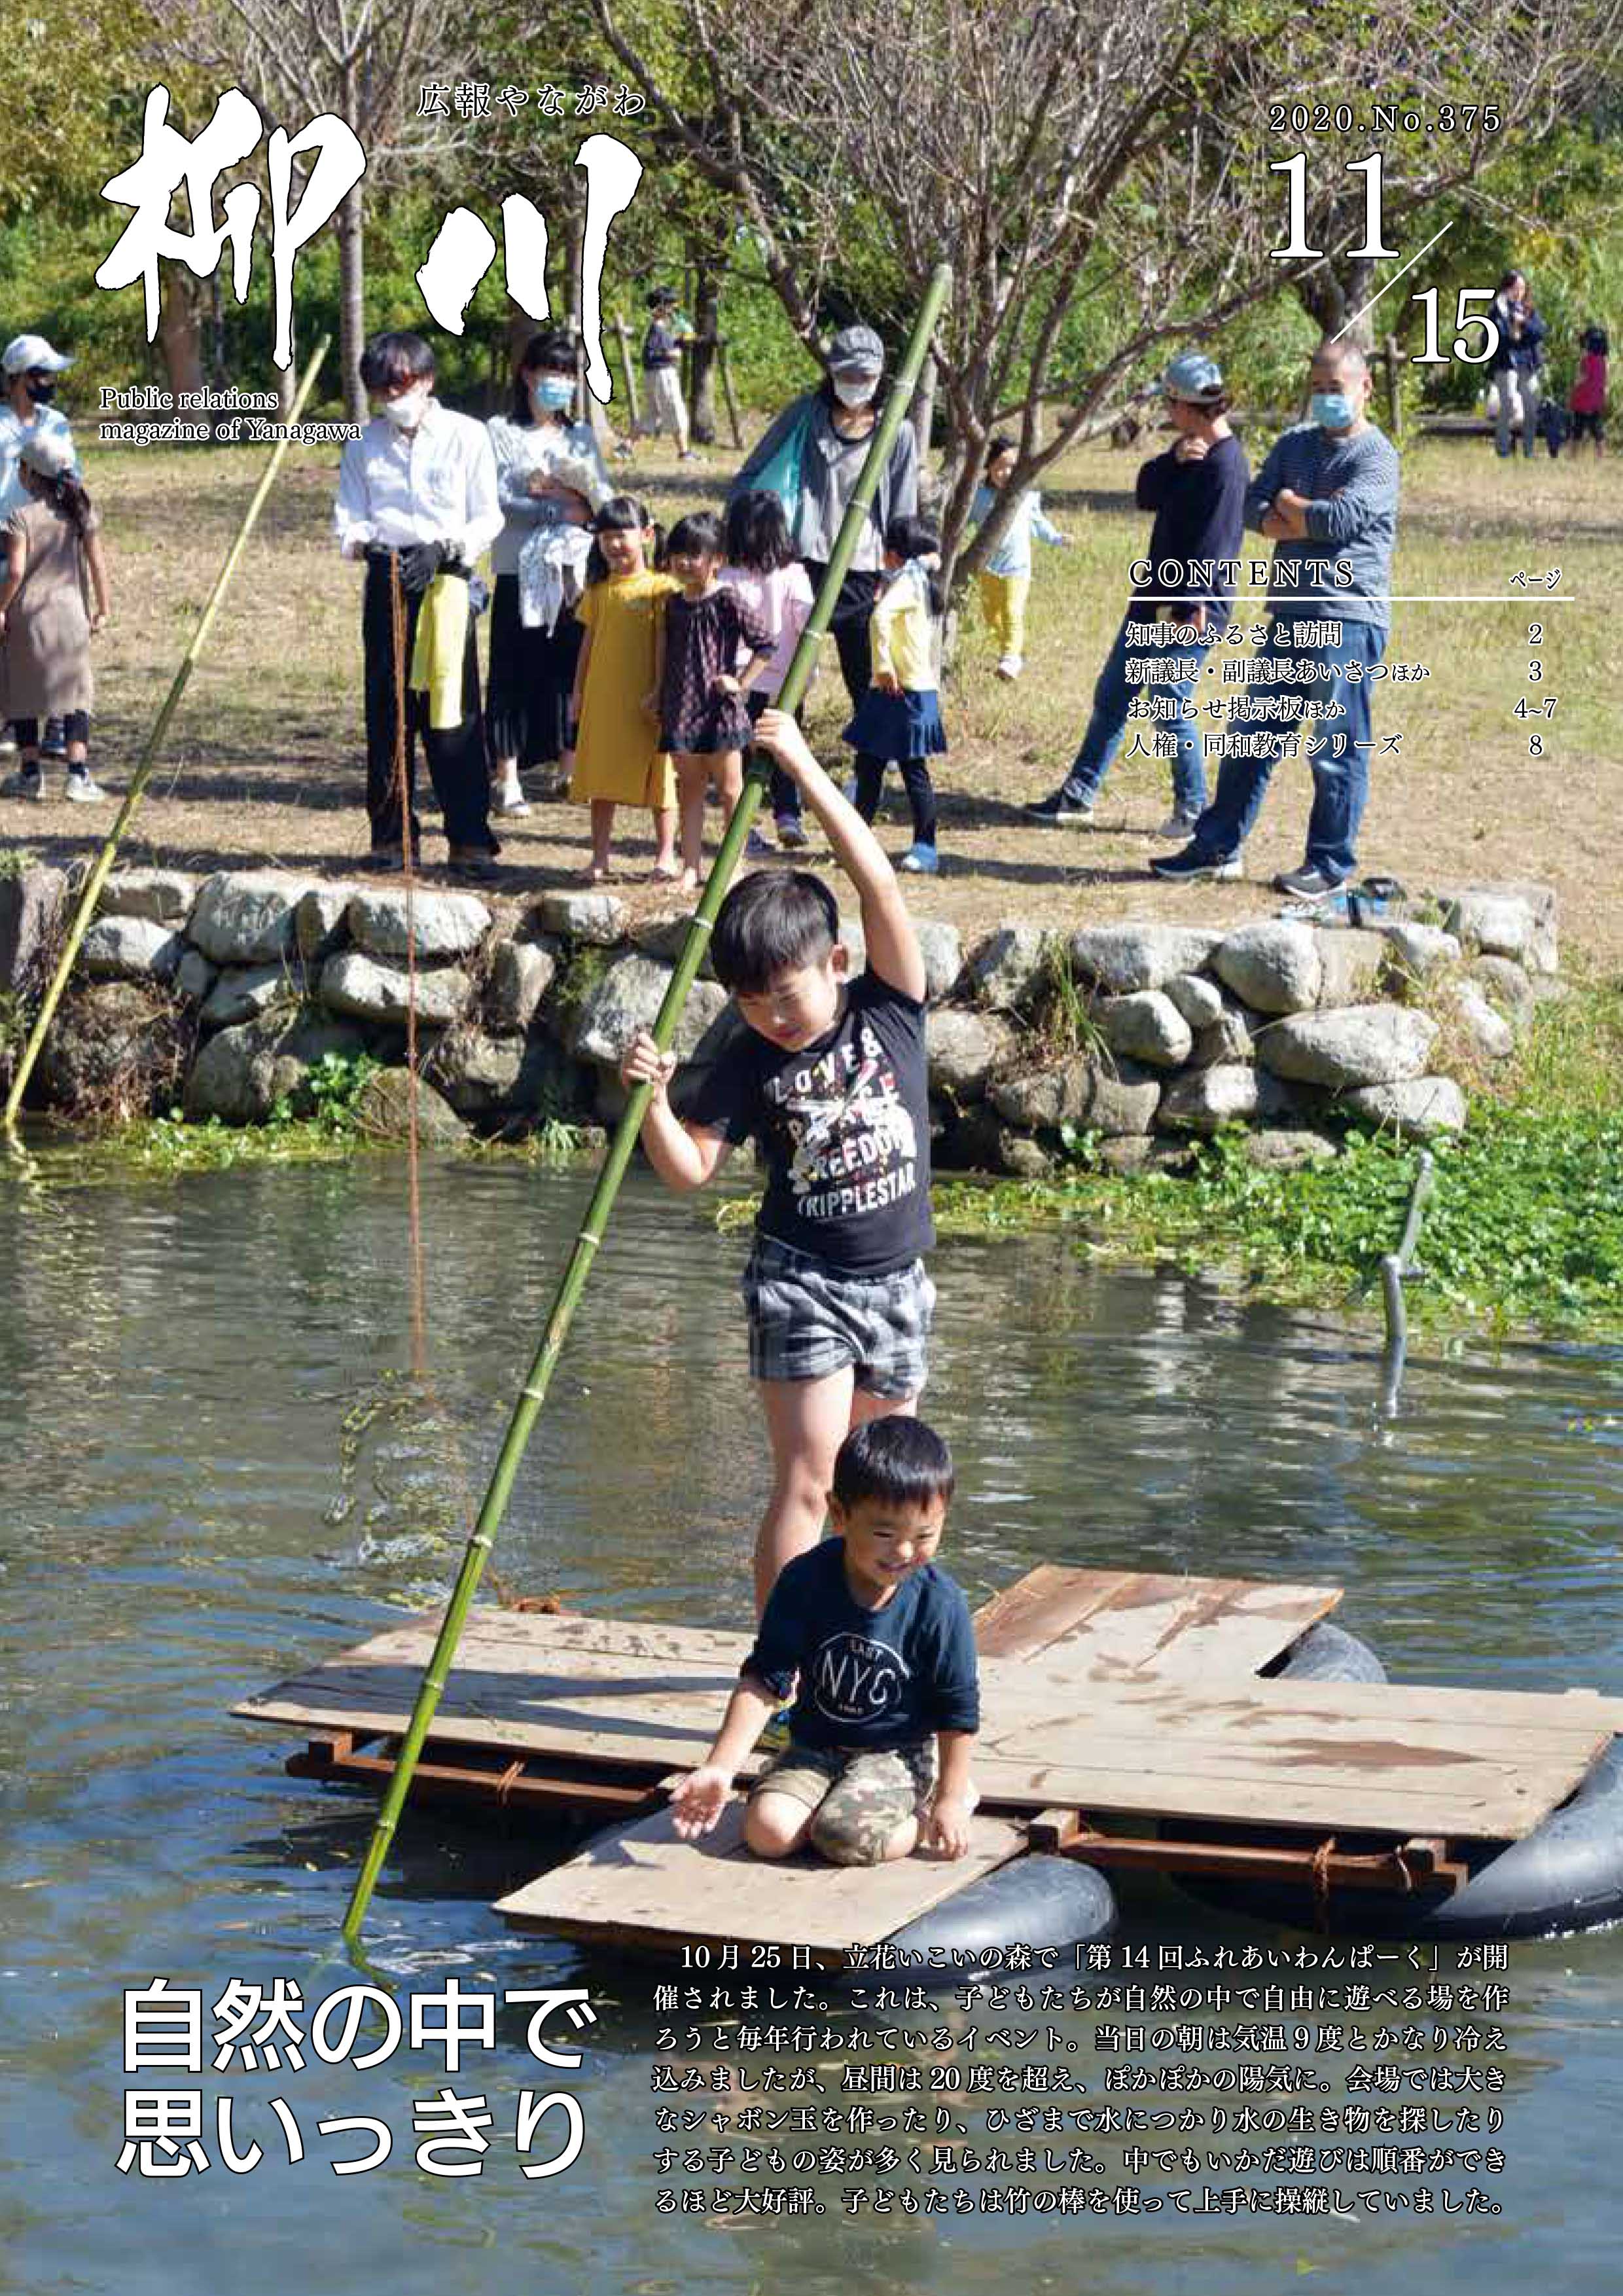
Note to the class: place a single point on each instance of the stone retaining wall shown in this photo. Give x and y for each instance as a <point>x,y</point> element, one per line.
<point>224,992</point>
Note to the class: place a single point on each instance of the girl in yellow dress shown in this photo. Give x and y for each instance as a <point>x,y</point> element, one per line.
<point>616,707</point>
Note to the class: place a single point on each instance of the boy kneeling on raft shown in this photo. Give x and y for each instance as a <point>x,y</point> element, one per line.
<point>880,1637</point>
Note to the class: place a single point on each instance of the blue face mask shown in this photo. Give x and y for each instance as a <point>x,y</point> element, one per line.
<point>1332,410</point>
<point>553,392</point>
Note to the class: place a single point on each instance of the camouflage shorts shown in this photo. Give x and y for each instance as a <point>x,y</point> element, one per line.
<point>858,1797</point>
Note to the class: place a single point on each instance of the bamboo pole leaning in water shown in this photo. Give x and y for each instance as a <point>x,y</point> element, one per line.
<point>99,874</point>
<point>533,1393</point>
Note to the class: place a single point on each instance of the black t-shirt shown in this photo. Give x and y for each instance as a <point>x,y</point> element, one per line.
<point>660,345</point>
<point>871,1679</point>
<point>843,1127</point>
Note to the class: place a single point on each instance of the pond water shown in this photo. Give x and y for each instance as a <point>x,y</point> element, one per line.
<point>220,1464</point>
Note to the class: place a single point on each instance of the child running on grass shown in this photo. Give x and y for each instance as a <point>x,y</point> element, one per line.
<point>828,1075</point>
<point>54,559</point>
<point>1005,579</point>
<point>618,759</point>
<point>899,715</point>
<point>880,1639</point>
<point>762,567</point>
<point>703,722</point>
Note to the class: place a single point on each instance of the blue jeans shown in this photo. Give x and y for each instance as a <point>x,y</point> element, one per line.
<point>1113,695</point>
<point>1337,749</point>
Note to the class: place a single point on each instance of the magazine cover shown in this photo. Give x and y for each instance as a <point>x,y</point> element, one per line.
<point>813,1173</point>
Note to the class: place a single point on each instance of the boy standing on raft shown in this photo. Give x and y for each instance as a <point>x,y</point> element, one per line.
<point>880,1639</point>
<point>828,1075</point>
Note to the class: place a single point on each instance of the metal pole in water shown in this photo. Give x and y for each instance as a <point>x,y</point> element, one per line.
<point>1394,1265</point>
<point>132,796</point>
<point>533,1393</point>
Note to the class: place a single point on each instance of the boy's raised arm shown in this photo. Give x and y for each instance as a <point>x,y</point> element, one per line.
<point>702,1795</point>
<point>893,947</point>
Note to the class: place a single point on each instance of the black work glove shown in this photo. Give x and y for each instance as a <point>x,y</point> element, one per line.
<point>420,563</point>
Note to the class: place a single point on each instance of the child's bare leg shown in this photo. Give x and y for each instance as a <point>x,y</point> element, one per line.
<point>602,832</point>
<point>665,840</point>
<point>775,1824</point>
<point>692,780</point>
<point>727,770</point>
<point>806,1422</point>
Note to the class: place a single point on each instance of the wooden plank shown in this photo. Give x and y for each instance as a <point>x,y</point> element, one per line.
<point>1121,1622</point>
<point>641,1884</point>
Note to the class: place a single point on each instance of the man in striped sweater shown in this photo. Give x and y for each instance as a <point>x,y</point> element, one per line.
<point>1327,497</point>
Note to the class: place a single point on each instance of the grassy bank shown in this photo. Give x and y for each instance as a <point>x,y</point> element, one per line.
<point>1524,1229</point>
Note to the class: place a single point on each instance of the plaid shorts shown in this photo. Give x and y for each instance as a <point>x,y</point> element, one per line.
<point>807,1319</point>
<point>859,1798</point>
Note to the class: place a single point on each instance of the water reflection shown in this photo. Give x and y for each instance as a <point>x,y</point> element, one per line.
<point>221,1464</point>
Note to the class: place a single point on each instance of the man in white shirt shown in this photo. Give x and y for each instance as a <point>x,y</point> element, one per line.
<point>417,500</point>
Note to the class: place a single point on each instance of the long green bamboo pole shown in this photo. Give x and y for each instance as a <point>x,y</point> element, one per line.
<point>98,875</point>
<point>533,1393</point>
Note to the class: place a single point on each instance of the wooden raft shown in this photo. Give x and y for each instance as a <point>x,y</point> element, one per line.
<point>1106,1696</point>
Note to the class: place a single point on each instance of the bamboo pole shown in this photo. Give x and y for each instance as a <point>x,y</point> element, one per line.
<point>148,755</point>
<point>533,1393</point>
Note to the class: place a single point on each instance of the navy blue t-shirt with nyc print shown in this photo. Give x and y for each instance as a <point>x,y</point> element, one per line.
<point>843,1128</point>
<point>873,1679</point>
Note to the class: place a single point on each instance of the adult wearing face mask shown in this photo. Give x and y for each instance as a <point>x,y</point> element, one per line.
<point>550,478</point>
<point>812,456</point>
<point>417,500</point>
<point>30,369</point>
<point>1327,497</point>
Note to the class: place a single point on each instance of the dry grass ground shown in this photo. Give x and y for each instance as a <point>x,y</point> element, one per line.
<point>263,763</point>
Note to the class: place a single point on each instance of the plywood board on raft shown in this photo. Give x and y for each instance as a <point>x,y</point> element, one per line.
<point>1114,1624</point>
<point>640,1883</point>
<point>1482,1765</point>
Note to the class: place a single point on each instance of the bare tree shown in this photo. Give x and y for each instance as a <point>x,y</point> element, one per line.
<point>365,60</point>
<point>1059,152</point>
<point>1077,160</point>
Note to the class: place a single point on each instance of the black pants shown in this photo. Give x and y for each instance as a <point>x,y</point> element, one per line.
<point>532,675</point>
<point>784,794</point>
<point>915,780</point>
<point>848,629</point>
<point>74,727</point>
<point>456,754</point>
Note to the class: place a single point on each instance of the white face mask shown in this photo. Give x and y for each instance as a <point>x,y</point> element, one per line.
<point>854,389</point>
<point>407,411</point>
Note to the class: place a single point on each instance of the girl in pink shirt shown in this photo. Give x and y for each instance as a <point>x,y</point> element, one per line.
<point>762,567</point>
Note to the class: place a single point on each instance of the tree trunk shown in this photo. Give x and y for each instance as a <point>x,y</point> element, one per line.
<point>352,302</point>
<point>706,327</point>
<point>925,412</point>
<point>180,335</point>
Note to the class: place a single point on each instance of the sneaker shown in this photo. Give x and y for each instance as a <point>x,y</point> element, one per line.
<point>1011,666</point>
<point>791,832</point>
<point>1179,824</point>
<point>1193,862</point>
<point>757,847</point>
<point>507,797</point>
<point>1304,884</point>
<point>475,862</point>
<point>921,861</point>
<point>81,790</point>
<point>31,784</point>
<point>1055,810</point>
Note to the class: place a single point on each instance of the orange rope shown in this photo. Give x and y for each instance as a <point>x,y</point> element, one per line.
<point>397,600</point>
